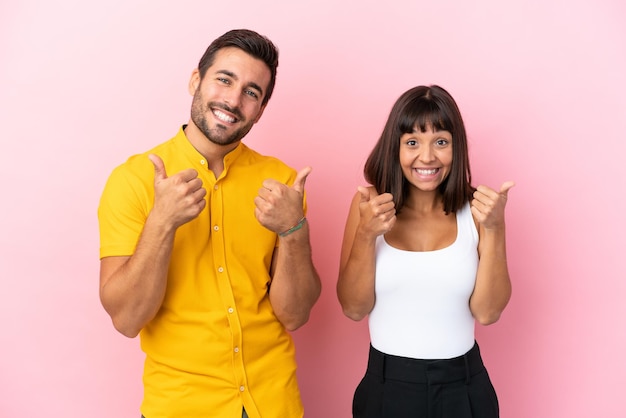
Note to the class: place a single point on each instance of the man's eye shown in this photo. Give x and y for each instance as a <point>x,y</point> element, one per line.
<point>224,80</point>
<point>252,94</point>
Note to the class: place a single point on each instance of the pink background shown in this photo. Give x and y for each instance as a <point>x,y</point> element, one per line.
<point>541,85</point>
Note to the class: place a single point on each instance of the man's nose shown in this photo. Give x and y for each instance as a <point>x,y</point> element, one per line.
<point>232,97</point>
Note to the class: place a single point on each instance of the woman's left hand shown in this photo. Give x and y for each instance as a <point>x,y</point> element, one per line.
<point>488,205</point>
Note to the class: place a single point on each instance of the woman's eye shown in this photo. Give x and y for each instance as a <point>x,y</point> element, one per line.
<point>411,142</point>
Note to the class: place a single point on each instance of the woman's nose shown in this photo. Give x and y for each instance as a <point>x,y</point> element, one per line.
<point>426,155</point>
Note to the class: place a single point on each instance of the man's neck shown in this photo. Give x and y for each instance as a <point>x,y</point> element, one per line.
<point>213,153</point>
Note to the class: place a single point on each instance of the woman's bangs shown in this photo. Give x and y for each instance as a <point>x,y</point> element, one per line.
<point>423,117</point>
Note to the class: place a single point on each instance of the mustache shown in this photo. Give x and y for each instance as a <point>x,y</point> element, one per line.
<point>234,110</point>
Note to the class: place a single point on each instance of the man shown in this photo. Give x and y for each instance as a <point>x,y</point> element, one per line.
<point>205,251</point>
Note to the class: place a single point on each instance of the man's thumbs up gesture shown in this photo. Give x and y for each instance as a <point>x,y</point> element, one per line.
<point>177,199</point>
<point>278,206</point>
<point>488,205</point>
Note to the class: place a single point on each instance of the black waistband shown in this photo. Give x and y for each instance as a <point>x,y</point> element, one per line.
<point>412,370</point>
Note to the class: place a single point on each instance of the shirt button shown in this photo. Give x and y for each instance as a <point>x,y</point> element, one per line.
<point>215,187</point>
<point>220,269</point>
<point>216,228</point>
<point>202,162</point>
<point>236,349</point>
<point>231,310</point>
<point>241,388</point>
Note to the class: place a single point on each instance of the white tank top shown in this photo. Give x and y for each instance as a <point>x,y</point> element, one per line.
<point>422,298</point>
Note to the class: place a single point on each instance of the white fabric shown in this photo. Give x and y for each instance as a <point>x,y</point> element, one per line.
<point>422,298</point>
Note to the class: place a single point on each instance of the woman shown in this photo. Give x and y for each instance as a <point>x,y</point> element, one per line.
<point>424,256</point>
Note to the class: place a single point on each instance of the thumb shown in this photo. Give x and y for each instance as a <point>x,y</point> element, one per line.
<point>365,194</point>
<point>159,167</point>
<point>506,186</point>
<point>298,183</point>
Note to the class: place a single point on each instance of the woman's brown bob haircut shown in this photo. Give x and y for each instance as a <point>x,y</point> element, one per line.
<point>423,108</point>
<point>252,43</point>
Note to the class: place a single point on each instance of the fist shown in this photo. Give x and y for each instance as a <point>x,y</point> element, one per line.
<point>177,199</point>
<point>278,207</point>
<point>488,205</point>
<point>378,212</point>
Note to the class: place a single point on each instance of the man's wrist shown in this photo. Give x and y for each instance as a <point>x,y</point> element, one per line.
<point>294,228</point>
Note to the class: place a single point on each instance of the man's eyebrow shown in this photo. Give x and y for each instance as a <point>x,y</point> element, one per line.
<point>228,73</point>
<point>234,76</point>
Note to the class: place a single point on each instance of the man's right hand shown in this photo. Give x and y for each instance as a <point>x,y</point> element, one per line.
<point>177,199</point>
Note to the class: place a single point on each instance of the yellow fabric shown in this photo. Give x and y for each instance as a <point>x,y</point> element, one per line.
<point>215,344</point>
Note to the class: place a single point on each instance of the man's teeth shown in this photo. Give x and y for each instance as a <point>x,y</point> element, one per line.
<point>426,172</point>
<point>223,117</point>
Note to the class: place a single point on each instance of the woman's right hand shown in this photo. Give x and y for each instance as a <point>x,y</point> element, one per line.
<point>378,212</point>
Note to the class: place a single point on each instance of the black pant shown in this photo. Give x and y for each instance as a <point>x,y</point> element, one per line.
<point>395,387</point>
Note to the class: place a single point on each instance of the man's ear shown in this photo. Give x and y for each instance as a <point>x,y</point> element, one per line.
<point>260,113</point>
<point>194,81</point>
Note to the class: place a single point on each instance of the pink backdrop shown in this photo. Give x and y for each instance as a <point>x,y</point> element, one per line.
<point>542,89</point>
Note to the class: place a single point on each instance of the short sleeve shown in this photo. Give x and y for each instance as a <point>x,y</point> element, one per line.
<point>125,203</point>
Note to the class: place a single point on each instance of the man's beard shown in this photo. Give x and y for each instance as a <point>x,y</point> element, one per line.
<point>217,135</point>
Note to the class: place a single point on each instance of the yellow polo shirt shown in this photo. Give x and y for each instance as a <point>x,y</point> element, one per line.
<point>216,345</point>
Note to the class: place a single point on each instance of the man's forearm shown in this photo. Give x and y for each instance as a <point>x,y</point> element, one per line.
<point>132,288</point>
<point>295,285</point>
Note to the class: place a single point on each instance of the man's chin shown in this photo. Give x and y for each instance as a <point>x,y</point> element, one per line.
<point>219,134</point>
<point>222,140</point>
